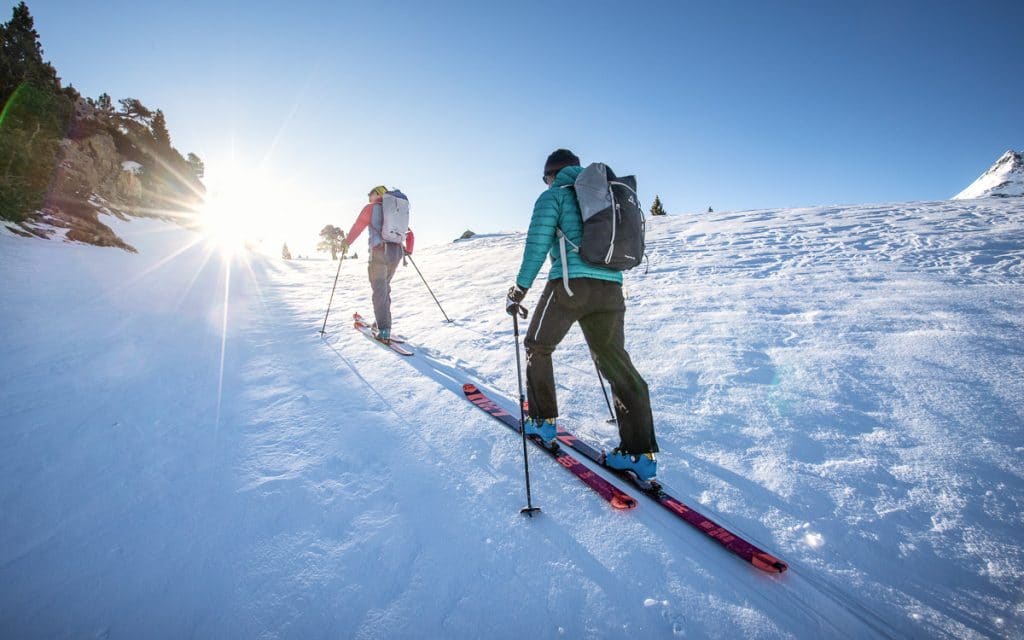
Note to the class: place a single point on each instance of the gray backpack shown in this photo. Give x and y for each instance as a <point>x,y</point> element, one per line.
<point>394,216</point>
<point>613,221</point>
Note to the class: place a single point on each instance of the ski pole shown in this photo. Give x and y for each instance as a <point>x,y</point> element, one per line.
<point>324,328</point>
<point>529,509</point>
<point>600,379</point>
<point>409,256</point>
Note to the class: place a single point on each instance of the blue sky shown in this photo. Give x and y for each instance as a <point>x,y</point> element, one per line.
<point>739,105</point>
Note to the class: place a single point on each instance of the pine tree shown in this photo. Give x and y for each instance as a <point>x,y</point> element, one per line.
<point>331,240</point>
<point>656,208</point>
<point>21,54</point>
<point>159,127</point>
<point>285,253</point>
<point>35,115</point>
<point>198,168</point>
<point>105,104</point>
<point>133,109</point>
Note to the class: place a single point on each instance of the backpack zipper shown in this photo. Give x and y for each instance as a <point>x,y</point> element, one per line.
<point>615,213</point>
<point>617,217</point>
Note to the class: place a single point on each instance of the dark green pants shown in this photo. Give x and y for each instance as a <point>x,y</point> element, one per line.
<point>599,308</point>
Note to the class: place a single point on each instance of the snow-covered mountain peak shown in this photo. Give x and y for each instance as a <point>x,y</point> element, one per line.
<point>1005,178</point>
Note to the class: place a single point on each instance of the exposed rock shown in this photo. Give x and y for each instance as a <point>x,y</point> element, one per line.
<point>19,231</point>
<point>81,219</point>
<point>129,186</point>
<point>88,166</point>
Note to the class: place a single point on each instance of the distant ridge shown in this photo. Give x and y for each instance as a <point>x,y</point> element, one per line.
<point>1004,179</point>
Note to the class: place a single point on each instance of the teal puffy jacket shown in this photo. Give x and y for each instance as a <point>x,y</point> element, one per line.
<point>557,208</point>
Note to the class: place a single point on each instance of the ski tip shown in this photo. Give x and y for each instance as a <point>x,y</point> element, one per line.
<point>624,502</point>
<point>768,562</point>
<point>469,388</point>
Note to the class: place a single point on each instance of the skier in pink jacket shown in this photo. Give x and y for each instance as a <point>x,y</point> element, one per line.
<point>384,257</point>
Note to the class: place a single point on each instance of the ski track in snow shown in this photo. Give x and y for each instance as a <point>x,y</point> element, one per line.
<point>841,385</point>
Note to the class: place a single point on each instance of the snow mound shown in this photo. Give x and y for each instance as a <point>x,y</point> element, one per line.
<point>1004,179</point>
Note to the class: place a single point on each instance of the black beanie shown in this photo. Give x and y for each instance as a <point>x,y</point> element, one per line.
<point>559,159</point>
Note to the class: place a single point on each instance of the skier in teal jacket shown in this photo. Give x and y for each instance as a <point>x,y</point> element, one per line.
<point>578,292</point>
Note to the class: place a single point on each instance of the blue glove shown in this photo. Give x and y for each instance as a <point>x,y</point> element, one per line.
<point>512,302</point>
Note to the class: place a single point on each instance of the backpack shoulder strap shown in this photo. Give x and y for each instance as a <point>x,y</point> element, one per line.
<point>562,252</point>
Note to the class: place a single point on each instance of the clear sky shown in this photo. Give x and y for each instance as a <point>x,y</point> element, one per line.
<point>305,105</point>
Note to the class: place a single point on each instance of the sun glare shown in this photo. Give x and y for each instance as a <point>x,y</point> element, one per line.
<point>241,212</point>
<point>259,210</point>
<point>225,224</point>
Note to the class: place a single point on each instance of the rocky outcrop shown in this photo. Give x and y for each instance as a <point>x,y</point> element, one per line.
<point>88,166</point>
<point>94,176</point>
<point>90,179</point>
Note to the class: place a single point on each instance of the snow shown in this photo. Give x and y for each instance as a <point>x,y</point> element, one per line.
<point>182,455</point>
<point>1005,179</point>
<point>131,166</point>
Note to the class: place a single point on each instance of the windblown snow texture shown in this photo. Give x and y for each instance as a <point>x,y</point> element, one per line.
<point>182,455</point>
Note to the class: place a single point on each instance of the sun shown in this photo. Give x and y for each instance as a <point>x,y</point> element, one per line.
<point>243,210</point>
<point>225,222</point>
<point>260,209</point>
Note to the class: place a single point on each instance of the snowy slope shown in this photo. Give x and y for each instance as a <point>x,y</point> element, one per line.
<point>182,455</point>
<point>1003,179</point>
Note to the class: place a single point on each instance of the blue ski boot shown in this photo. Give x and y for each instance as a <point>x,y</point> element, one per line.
<point>641,465</point>
<point>544,428</point>
<point>384,335</point>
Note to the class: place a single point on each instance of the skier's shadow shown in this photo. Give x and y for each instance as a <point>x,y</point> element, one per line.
<point>333,346</point>
<point>450,376</point>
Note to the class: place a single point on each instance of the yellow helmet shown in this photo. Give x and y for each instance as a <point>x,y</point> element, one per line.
<point>380,190</point>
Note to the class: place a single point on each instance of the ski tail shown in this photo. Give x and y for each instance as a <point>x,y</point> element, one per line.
<point>736,544</point>
<point>395,345</point>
